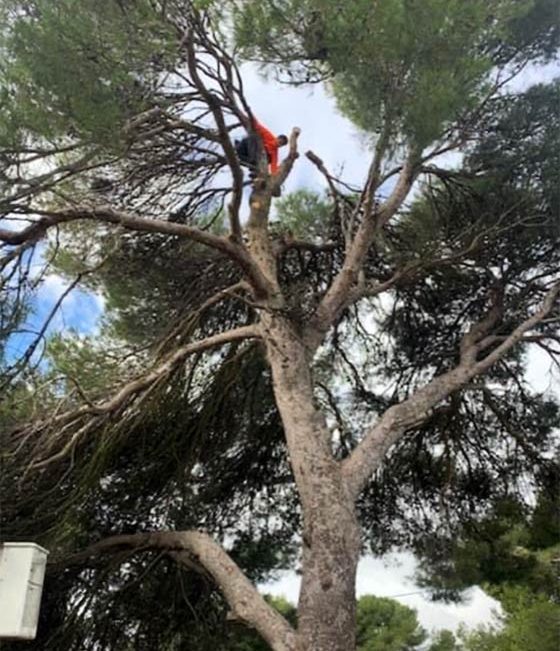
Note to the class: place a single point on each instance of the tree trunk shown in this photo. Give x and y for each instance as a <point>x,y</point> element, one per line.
<point>331,536</point>
<point>327,601</point>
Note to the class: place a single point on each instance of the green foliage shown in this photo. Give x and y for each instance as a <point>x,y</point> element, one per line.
<point>443,641</point>
<point>382,625</point>
<point>418,68</point>
<point>513,550</point>
<point>149,284</point>
<point>89,364</point>
<point>530,624</point>
<point>520,144</point>
<point>499,551</point>
<point>545,523</point>
<point>78,69</point>
<point>303,214</point>
<point>386,625</point>
<point>16,405</point>
<point>410,68</point>
<point>536,34</point>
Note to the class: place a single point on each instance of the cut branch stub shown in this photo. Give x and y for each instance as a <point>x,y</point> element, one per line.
<point>288,162</point>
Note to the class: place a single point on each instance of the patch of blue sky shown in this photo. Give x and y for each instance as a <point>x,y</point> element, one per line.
<point>80,311</point>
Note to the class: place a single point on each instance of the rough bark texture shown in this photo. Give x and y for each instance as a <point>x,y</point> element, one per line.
<point>331,538</point>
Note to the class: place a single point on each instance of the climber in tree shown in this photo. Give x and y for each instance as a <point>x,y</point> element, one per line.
<point>248,148</point>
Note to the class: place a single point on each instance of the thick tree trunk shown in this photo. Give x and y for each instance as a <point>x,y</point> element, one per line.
<point>331,537</point>
<point>327,601</point>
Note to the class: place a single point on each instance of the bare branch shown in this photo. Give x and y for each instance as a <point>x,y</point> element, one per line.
<point>106,214</point>
<point>288,162</point>
<point>345,287</point>
<point>369,454</point>
<point>331,180</point>
<point>337,196</point>
<point>367,199</point>
<point>320,165</point>
<point>517,335</point>
<point>375,288</point>
<point>470,343</point>
<point>288,243</point>
<point>225,140</point>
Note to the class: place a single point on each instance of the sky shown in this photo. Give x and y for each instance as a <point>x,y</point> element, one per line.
<point>345,153</point>
<point>81,310</point>
<point>323,130</point>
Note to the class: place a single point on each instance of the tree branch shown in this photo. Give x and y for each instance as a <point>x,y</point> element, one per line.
<point>225,141</point>
<point>368,455</point>
<point>199,550</point>
<point>106,214</point>
<point>518,334</point>
<point>395,200</point>
<point>344,289</point>
<point>288,162</point>
<point>59,426</point>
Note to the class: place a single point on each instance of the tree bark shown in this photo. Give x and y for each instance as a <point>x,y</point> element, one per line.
<point>327,600</point>
<point>331,535</point>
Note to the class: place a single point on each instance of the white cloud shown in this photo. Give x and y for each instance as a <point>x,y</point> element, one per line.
<point>542,374</point>
<point>534,74</point>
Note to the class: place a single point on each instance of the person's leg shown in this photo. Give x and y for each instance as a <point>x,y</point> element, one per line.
<point>242,150</point>
<point>253,151</point>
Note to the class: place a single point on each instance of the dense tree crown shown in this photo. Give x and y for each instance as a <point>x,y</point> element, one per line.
<point>279,381</point>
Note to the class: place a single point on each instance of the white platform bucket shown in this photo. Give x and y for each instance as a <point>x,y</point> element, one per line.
<point>22,570</point>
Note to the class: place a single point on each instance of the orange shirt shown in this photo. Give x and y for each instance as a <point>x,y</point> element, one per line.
<point>270,144</point>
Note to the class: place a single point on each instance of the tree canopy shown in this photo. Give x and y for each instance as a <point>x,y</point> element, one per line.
<point>274,388</point>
